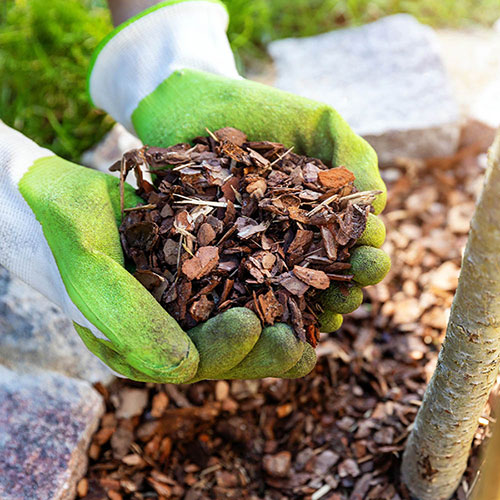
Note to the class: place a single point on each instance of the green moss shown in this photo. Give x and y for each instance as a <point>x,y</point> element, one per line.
<point>334,299</point>
<point>330,321</point>
<point>369,265</point>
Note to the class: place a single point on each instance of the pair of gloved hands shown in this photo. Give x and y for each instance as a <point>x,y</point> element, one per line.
<point>166,75</point>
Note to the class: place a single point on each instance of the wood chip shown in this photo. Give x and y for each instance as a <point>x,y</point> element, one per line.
<point>335,178</point>
<point>312,277</point>
<point>204,261</point>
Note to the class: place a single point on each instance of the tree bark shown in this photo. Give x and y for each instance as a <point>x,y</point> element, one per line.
<point>438,447</point>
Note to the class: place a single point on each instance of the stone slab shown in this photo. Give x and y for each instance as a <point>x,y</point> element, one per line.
<point>46,423</point>
<point>35,334</point>
<point>385,78</point>
<point>472,59</point>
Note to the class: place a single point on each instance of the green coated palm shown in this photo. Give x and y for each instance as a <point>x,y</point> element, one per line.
<point>190,101</point>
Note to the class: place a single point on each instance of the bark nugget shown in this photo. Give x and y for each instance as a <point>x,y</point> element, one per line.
<point>228,222</point>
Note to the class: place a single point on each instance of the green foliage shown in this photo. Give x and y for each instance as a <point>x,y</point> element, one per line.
<point>45,46</point>
<point>44,52</point>
<point>254,24</point>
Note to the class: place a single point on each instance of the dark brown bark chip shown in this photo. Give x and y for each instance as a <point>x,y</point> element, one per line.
<point>142,235</point>
<point>235,223</point>
<point>270,306</point>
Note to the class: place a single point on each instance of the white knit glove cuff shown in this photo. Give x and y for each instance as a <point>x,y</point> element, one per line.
<point>142,54</point>
<point>24,251</point>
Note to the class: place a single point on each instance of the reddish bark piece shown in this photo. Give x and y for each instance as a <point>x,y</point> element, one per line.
<point>303,238</point>
<point>312,277</point>
<point>204,261</point>
<point>278,465</point>
<point>257,188</point>
<point>229,188</point>
<point>233,151</point>
<point>312,335</point>
<point>183,221</point>
<point>335,178</point>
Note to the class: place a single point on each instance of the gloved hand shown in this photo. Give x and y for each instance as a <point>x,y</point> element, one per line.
<point>169,73</point>
<point>59,233</point>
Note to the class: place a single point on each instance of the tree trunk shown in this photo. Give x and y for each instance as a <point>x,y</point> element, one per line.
<point>438,447</point>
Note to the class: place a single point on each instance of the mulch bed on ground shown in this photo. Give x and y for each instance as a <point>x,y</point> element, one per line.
<point>338,433</point>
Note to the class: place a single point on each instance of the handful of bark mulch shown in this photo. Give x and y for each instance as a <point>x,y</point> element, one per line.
<point>228,222</point>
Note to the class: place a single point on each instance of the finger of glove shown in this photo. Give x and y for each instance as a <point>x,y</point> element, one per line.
<point>305,364</point>
<point>330,321</point>
<point>104,350</point>
<point>74,207</point>
<point>369,265</point>
<point>263,113</point>
<point>224,341</point>
<point>277,351</point>
<point>374,233</point>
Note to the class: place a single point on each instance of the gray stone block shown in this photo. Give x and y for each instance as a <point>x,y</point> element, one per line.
<point>46,423</point>
<point>35,335</point>
<point>385,78</point>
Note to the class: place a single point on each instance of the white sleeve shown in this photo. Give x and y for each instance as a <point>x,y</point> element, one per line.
<point>24,251</point>
<point>143,53</point>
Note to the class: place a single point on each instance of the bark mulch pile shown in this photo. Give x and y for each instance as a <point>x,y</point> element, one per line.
<point>338,433</point>
<point>230,223</point>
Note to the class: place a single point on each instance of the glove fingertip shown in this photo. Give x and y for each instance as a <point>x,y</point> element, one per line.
<point>374,233</point>
<point>369,265</point>
<point>342,301</point>
<point>276,352</point>
<point>305,364</point>
<point>330,321</point>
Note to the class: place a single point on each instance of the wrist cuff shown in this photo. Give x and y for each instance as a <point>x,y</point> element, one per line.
<point>143,52</point>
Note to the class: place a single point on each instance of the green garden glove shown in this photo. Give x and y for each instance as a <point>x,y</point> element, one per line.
<point>59,233</point>
<point>168,74</point>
